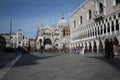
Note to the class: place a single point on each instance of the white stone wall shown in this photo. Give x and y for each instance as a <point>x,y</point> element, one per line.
<point>91,31</point>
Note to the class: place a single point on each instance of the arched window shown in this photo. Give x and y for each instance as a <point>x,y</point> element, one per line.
<point>98,30</point>
<point>90,14</point>
<point>101,30</point>
<point>101,8</point>
<point>80,19</point>
<point>108,27</point>
<point>64,32</point>
<point>112,26</point>
<point>95,31</point>
<point>117,25</point>
<point>104,28</point>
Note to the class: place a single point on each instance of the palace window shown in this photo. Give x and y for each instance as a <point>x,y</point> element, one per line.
<point>89,15</point>
<point>74,23</point>
<point>117,25</point>
<point>114,17</point>
<point>101,30</point>
<point>112,26</point>
<point>101,8</point>
<point>108,27</point>
<point>23,37</point>
<point>117,1</point>
<point>119,15</point>
<point>64,32</point>
<point>80,19</point>
<point>104,28</point>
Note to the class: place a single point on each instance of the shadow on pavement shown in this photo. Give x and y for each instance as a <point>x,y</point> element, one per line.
<point>115,62</point>
<point>6,58</point>
<point>30,59</point>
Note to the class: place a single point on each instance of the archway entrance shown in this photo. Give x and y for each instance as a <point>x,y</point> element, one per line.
<point>95,47</point>
<point>47,43</point>
<point>85,47</point>
<point>101,8</point>
<point>100,46</point>
<point>90,47</point>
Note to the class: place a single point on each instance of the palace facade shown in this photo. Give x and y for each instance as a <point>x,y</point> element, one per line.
<point>94,22</point>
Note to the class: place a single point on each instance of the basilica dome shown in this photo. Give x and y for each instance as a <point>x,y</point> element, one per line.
<point>62,22</point>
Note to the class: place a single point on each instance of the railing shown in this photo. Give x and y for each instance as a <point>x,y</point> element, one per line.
<point>76,31</point>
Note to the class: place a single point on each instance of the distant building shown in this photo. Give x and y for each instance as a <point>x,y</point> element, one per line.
<point>17,39</point>
<point>94,22</point>
<point>6,36</point>
<point>53,36</point>
<point>2,43</point>
<point>22,40</point>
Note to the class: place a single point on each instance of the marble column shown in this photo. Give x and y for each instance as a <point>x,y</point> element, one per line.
<point>110,28</point>
<point>115,27</point>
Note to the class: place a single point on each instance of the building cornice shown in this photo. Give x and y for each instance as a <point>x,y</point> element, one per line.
<point>75,11</point>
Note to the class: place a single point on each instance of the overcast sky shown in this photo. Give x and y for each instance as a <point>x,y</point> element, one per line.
<point>27,14</point>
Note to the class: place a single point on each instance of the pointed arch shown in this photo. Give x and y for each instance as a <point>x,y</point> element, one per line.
<point>95,46</point>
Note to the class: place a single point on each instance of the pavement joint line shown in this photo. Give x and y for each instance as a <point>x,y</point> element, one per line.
<point>4,70</point>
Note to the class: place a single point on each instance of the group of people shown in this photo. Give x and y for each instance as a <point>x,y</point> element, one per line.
<point>111,48</point>
<point>23,50</point>
<point>79,50</point>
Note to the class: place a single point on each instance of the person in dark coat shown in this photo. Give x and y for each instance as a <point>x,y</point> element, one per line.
<point>107,51</point>
<point>111,48</point>
<point>41,49</point>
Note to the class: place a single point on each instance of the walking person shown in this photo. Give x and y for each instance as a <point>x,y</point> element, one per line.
<point>28,49</point>
<point>116,46</point>
<point>41,49</point>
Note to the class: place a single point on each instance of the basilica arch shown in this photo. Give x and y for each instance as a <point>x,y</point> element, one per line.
<point>47,43</point>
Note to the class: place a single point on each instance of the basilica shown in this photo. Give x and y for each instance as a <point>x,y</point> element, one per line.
<point>93,22</point>
<point>55,36</point>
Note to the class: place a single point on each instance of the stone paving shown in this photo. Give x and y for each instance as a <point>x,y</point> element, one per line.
<point>6,58</point>
<point>64,67</point>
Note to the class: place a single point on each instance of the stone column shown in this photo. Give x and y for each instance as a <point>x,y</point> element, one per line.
<point>114,26</point>
<point>106,29</point>
<point>97,49</point>
<point>103,29</point>
<point>110,28</point>
<point>94,32</point>
<point>119,24</point>
<point>97,30</point>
